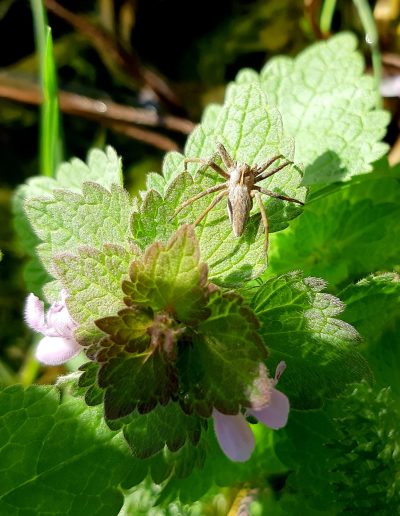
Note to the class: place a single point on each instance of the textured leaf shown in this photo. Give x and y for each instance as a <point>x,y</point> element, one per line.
<point>345,458</point>
<point>329,106</point>
<point>170,278</point>
<point>346,235</point>
<point>58,458</point>
<point>136,381</point>
<point>67,220</point>
<point>102,167</point>
<point>166,439</point>
<point>373,306</point>
<point>167,426</point>
<point>93,279</point>
<point>299,325</point>
<point>219,471</point>
<point>223,368</point>
<point>252,132</point>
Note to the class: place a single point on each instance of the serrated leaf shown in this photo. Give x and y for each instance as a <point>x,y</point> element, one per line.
<point>167,426</point>
<point>93,279</point>
<point>219,471</point>
<point>252,132</point>
<point>344,458</point>
<point>102,167</point>
<point>170,278</point>
<point>346,235</point>
<point>373,306</point>
<point>223,367</point>
<point>47,448</point>
<point>134,380</point>
<point>66,220</point>
<point>299,325</point>
<point>329,106</point>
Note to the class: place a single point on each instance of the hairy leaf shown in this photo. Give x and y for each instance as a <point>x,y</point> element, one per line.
<point>373,306</point>
<point>66,220</point>
<point>252,132</point>
<point>222,367</point>
<point>329,106</point>
<point>60,454</point>
<point>93,279</point>
<point>299,326</point>
<point>170,278</point>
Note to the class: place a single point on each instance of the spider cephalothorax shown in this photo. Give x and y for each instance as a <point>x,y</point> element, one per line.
<point>241,187</point>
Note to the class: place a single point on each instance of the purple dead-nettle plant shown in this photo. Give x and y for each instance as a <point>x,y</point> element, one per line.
<point>58,344</point>
<point>233,432</point>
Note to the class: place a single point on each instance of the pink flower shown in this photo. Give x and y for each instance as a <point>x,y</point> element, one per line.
<point>58,344</point>
<point>233,432</point>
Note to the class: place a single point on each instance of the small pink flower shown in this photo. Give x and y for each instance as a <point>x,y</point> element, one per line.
<point>58,344</point>
<point>233,432</point>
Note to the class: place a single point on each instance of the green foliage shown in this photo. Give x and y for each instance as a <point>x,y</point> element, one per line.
<point>102,167</point>
<point>345,459</point>
<point>58,453</point>
<point>166,346</point>
<point>171,276</point>
<point>346,235</point>
<point>69,220</point>
<point>299,325</point>
<point>178,339</point>
<point>329,106</point>
<point>252,132</point>
<point>223,366</point>
<point>94,292</point>
<point>372,305</point>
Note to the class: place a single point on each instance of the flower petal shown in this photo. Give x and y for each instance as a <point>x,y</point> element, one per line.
<point>234,436</point>
<point>34,313</point>
<point>274,415</point>
<point>59,322</point>
<point>56,350</point>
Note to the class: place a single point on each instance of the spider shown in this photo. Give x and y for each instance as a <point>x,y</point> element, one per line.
<point>240,187</point>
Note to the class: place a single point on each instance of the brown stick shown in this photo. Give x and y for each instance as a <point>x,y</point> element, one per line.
<point>150,137</point>
<point>86,107</point>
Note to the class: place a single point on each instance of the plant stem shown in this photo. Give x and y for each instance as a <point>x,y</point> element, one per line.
<point>50,143</point>
<point>328,8</point>
<point>371,37</point>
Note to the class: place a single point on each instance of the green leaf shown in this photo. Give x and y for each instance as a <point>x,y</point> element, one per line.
<point>166,440</point>
<point>171,278</point>
<point>102,167</point>
<point>93,279</point>
<point>58,457</point>
<point>223,366</point>
<point>135,372</point>
<point>66,220</point>
<point>252,132</point>
<point>372,305</point>
<point>219,471</point>
<point>329,106</point>
<point>167,426</point>
<point>344,459</point>
<point>299,325</point>
<point>346,235</point>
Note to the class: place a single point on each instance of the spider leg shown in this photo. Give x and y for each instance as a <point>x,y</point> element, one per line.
<point>264,217</point>
<point>207,163</point>
<point>225,156</point>
<point>277,196</point>
<point>213,203</point>
<point>263,175</point>
<point>258,169</point>
<point>198,196</point>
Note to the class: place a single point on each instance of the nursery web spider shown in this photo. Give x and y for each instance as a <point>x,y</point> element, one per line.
<point>241,187</point>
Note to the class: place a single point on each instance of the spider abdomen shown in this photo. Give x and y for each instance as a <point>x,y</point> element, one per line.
<point>239,206</point>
